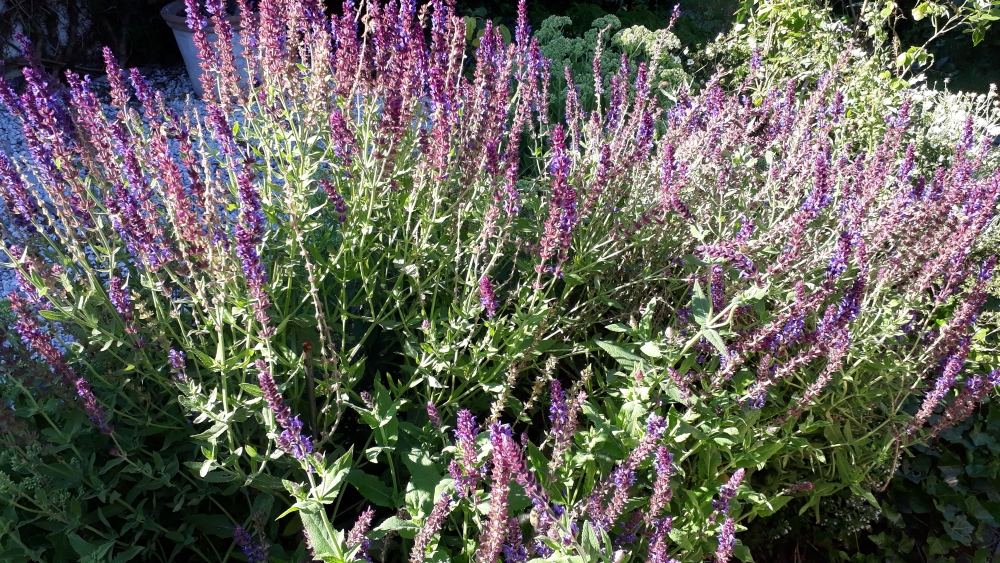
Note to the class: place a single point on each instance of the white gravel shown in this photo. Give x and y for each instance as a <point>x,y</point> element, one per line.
<point>172,81</point>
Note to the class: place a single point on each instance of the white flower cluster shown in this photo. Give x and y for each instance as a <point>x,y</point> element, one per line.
<point>942,114</point>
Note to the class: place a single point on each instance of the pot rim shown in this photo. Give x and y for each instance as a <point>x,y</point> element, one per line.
<point>171,13</point>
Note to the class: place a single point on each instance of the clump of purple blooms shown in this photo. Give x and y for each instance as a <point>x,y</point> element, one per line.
<point>830,236</point>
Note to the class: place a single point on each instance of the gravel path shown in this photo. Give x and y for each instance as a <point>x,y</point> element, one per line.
<point>172,81</point>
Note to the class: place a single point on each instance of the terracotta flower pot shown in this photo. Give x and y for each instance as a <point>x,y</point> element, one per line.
<point>174,14</point>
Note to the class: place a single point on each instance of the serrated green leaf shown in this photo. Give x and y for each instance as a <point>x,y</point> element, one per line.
<point>371,488</point>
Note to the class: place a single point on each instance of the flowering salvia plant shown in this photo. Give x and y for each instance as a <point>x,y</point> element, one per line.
<point>346,264</point>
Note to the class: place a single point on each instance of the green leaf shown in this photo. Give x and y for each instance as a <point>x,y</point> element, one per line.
<point>589,542</point>
<point>81,546</point>
<point>333,475</point>
<point>700,305</point>
<point>424,478</point>
<point>214,524</point>
<point>976,509</point>
<point>266,481</point>
<point>651,350</point>
<point>742,553</point>
<point>716,340</point>
<point>978,34</point>
<point>405,528</point>
<point>252,389</point>
<point>128,554</point>
<point>316,526</point>
<point>960,530</point>
<point>212,433</point>
<point>627,359</point>
<point>371,488</point>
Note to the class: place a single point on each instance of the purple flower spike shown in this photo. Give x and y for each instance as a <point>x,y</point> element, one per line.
<point>123,304</point>
<point>562,205</point>
<point>253,550</point>
<point>658,543</point>
<point>514,550</point>
<point>487,297</point>
<point>15,194</point>
<point>506,459</point>
<point>740,261</point>
<point>563,413</point>
<point>728,491</point>
<point>339,205</point>
<point>718,288</point>
<point>356,537</point>
<point>433,415</point>
<point>727,541</point>
<point>431,527</point>
<point>35,338</point>
<point>249,234</point>
<point>465,470</point>
<point>177,359</point>
<point>747,229</point>
<point>291,440</point>
<point>661,487</point>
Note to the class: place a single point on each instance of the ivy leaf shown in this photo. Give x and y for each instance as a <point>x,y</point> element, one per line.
<point>961,530</point>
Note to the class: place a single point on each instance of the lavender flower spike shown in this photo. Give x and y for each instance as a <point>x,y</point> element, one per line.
<point>356,537</point>
<point>291,440</point>
<point>487,297</point>
<point>464,472</point>
<point>506,457</point>
<point>727,540</point>
<point>254,551</point>
<point>177,359</point>
<point>431,527</point>
<point>433,415</point>
<point>123,304</point>
<point>35,338</point>
<point>661,487</point>
<point>728,491</point>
